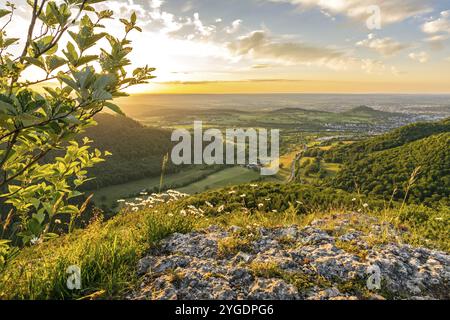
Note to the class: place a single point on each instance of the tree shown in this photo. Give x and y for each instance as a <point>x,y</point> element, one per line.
<point>37,117</point>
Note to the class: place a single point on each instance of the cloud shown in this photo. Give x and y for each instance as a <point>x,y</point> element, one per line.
<point>261,66</point>
<point>235,25</point>
<point>259,45</point>
<point>392,11</point>
<point>438,30</point>
<point>421,57</point>
<point>386,46</point>
<point>440,25</point>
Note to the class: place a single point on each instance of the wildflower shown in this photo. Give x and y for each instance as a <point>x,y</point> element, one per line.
<point>120,201</point>
<point>57,221</point>
<point>221,208</point>
<point>243,195</point>
<point>365,205</point>
<point>253,185</point>
<point>35,241</point>
<point>232,192</point>
<point>267,199</point>
<point>274,211</point>
<point>260,205</point>
<point>209,204</point>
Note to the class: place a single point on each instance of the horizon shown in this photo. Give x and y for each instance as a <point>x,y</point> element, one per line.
<point>284,46</point>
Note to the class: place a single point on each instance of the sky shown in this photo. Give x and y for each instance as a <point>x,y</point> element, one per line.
<point>280,46</point>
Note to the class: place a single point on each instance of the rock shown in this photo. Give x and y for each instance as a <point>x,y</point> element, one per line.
<point>292,263</point>
<point>272,289</point>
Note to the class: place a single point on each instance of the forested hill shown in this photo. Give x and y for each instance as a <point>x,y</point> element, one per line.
<point>386,171</point>
<point>137,151</point>
<point>393,139</point>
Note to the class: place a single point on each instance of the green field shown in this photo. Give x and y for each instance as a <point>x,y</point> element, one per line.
<point>109,195</point>
<point>189,178</point>
<point>224,178</point>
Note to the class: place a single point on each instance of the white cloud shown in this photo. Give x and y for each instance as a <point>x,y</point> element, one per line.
<point>155,4</point>
<point>235,25</point>
<point>259,45</point>
<point>391,10</point>
<point>386,46</point>
<point>440,25</point>
<point>421,57</point>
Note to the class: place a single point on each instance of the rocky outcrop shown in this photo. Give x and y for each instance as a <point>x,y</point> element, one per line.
<point>320,261</point>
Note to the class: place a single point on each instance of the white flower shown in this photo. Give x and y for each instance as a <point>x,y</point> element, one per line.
<point>221,208</point>
<point>232,192</point>
<point>365,205</point>
<point>354,199</point>
<point>274,211</point>
<point>35,241</point>
<point>120,200</point>
<point>260,205</point>
<point>57,221</point>
<point>209,204</point>
<point>243,195</point>
<point>267,199</point>
<point>253,185</point>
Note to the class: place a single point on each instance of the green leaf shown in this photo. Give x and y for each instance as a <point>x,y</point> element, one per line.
<point>37,62</point>
<point>101,95</point>
<point>40,217</point>
<point>35,227</point>
<point>10,41</point>
<point>114,107</point>
<point>54,62</point>
<point>71,53</point>
<point>6,108</point>
<point>4,12</point>
<point>86,59</point>
<point>68,80</point>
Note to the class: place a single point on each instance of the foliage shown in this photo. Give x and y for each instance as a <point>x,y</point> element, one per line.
<point>107,254</point>
<point>426,225</point>
<point>388,173</point>
<point>270,197</point>
<point>396,138</point>
<point>34,122</point>
<point>137,150</point>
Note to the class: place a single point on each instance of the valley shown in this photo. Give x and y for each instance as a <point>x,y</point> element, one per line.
<point>299,127</point>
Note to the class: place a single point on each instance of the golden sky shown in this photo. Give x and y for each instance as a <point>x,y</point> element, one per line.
<point>286,46</point>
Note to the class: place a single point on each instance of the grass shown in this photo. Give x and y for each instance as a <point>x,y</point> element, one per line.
<point>107,254</point>
<point>109,195</point>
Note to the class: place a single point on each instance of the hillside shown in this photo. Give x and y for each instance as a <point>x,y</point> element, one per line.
<point>364,111</point>
<point>223,247</point>
<point>395,138</point>
<point>382,172</point>
<point>137,151</point>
